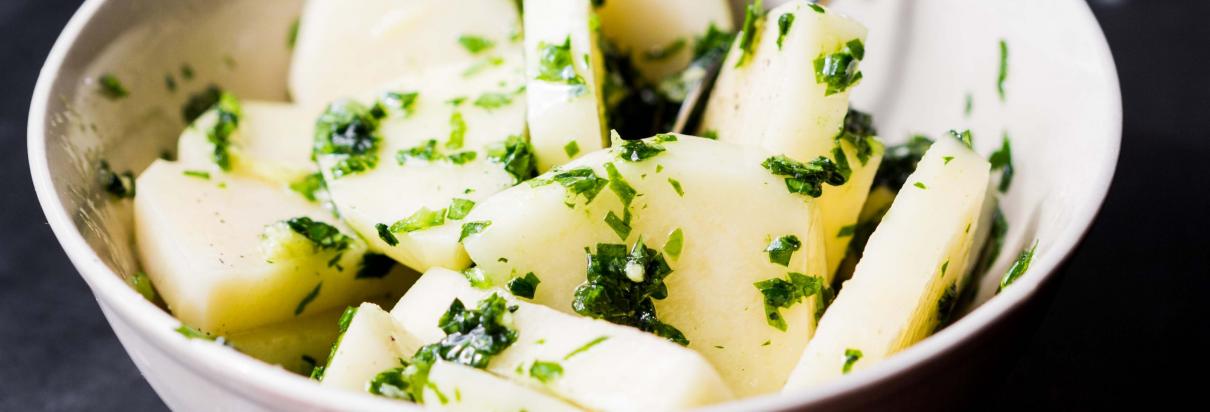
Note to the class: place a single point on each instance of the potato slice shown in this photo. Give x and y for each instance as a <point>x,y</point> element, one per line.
<point>771,99</point>
<point>565,69</point>
<point>372,343</point>
<point>482,113</point>
<point>727,208</point>
<point>226,263</point>
<point>296,344</point>
<point>650,31</point>
<point>911,271</point>
<point>464,388</point>
<point>346,49</point>
<point>604,366</point>
<point>273,142</point>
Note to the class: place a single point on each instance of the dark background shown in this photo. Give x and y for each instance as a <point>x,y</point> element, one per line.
<point>1128,325</point>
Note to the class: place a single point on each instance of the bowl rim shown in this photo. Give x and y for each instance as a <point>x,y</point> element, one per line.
<point>253,379</point>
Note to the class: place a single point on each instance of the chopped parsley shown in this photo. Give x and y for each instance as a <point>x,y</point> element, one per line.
<point>462,158</point>
<point>403,101</point>
<point>292,34</point>
<point>219,135</point>
<point>859,131</point>
<point>384,233</point>
<point>422,219</point>
<point>945,304</point>
<point>556,65</point>
<point>920,185</point>
<point>457,131</point>
<point>524,286</point>
<point>517,157</point>
<point>585,347</point>
<point>620,226</point>
<point>851,356</point>
<point>675,243</point>
<point>473,338</point>
<point>477,278</point>
<point>619,186</point>
<point>964,136</point>
<point>666,52</point>
<point>142,284</point>
<point>816,7</point>
<point>781,249</point>
<point>190,332</point>
<point>995,242</point>
<point>374,266</point>
<point>306,300</point>
<point>323,235</point>
<point>824,299</point>
<point>348,131</point>
<point>847,231</point>
<point>493,100</point>
<point>947,159</point>
<point>200,174</point>
<point>310,186</point>
<point>545,372</point>
<point>969,107</point>
<point>838,71</point>
<point>119,185</point>
<point>581,181</point>
<point>346,318</point>
<point>784,23</point>
<point>1003,160</point>
<point>475,44</point>
<point>473,228</point>
<point>425,151</point>
<point>610,294</point>
<point>1019,267</point>
<point>485,64</point>
<point>112,88</point>
<point>459,208</point>
<point>676,185</point>
<point>1003,75</point>
<point>639,150</point>
<point>747,36</point>
<point>782,293</point>
<point>200,102</point>
<point>572,149</point>
<point>806,178</point>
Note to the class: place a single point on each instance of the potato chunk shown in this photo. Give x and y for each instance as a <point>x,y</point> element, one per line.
<point>472,390</point>
<point>603,366</point>
<point>224,262</point>
<point>773,98</point>
<point>273,142</point>
<point>371,343</point>
<point>910,275</point>
<point>722,205</point>
<point>660,35</point>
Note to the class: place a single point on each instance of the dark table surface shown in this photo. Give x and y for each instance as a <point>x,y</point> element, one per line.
<point>1128,320</point>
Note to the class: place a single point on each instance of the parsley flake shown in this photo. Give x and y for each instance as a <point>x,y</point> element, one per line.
<point>524,286</point>
<point>838,71</point>
<point>611,295</point>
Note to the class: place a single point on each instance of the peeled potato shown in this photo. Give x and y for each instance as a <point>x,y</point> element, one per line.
<point>345,49</point>
<point>771,99</point>
<point>463,388</point>
<point>647,29</point>
<point>728,210</point>
<point>911,271</point>
<point>373,343</point>
<point>624,370</point>
<point>566,116</point>
<point>226,263</point>
<point>273,142</point>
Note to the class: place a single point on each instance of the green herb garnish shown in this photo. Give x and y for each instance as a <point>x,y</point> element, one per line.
<point>781,249</point>
<point>517,157</point>
<point>545,372</point>
<point>310,186</point>
<point>851,356</point>
<point>142,284</point>
<point>581,181</point>
<point>920,185</point>
<point>572,149</point>
<point>420,220</point>
<point>306,300</point>
<point>475,44</point>
<point>457,132</point>
<point>620,226</point>
<point>747,36</point>
<point>384,233</point>
<point>782,293</point>
<point>200,102</point>
<point>219,135</point>
<point>784,23</point>
<point>1003,74</point>
<point>847,231</point>
<point>462,158</point>
<point>112,88</point>
<point>859,131</point>
<point>900,162</point>
<point>839,70</point>
<point>612,294</point>
<point>676,185</point>
<point>1019,267</point>
<point>964,136</point>
<point>556,65</point>
<point>675,243</point>
<point>119,185</point>
<point>639,150</point>
<point>492,101</point>
<point>426,151</point>
<point>200,174</point>
<point>402,101</point>
<point>945,304</point>
<point>323,235</point>
<point>473,228</point>
<point>1003,160</point>
<point>817,8</point>
<point>348,131</point>
<point>585,347</point>
<point>524,286</point>
<point>619,186</point>
<point>459,208</point>
<point>806,178</point>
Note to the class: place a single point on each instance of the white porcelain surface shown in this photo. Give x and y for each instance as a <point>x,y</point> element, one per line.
<point>1063,112</point>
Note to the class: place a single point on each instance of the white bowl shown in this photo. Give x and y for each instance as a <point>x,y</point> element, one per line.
<point>1063,111</point>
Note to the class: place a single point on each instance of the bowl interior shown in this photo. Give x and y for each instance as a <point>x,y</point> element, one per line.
<point>927,62</point>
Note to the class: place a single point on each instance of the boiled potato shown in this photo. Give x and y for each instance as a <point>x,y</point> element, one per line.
<point>273,142</point>
<point>659,36</point>
<point>371,343</point>
<point>347,48</point>
<point>296,344</point>
<point>771,98</point>
<point>909,277</point>
<point>727,209</point>
<point>604,366</point>
<point>224,262</point>
<point>464,388</point>
<point>451,116</point>
<point>565,70</point>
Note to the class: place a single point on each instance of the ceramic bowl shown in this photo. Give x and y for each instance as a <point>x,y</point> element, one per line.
<point>926,60</point>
